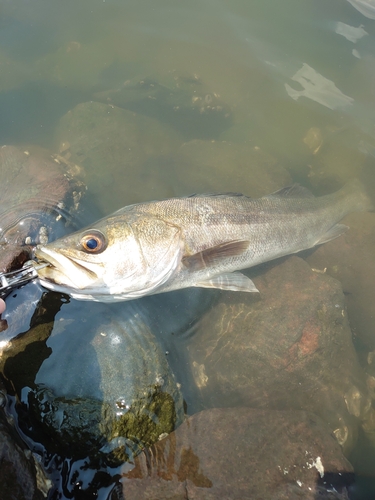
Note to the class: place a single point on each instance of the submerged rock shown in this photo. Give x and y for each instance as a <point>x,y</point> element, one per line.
<point>116,148</point>
<point>336,159</point>
<point>238,453</point>
<point>109,393</point>
<point>185,104</point>
<point>204,167</point>
<point>21,476</point>
<point>37,192</point>
<point>350,259</point>
<point>289,348</point>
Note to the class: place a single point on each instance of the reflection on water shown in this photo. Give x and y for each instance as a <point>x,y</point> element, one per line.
<point>164,99</point>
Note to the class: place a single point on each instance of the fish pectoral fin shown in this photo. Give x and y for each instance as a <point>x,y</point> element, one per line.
<point>335,231</point>
<point>214,255</point>
<point>236,282</point>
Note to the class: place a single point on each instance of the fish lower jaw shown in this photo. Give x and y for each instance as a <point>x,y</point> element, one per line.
<point>80,295</point>
<point>66,289</point>
<point>54,287</point>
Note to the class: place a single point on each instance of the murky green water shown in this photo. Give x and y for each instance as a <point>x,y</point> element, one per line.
<point>201,96</point>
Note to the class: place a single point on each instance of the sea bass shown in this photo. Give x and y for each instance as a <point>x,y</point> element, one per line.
<point>201,241</point>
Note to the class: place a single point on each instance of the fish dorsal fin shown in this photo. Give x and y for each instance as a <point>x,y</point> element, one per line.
<point>218,195</point>
<point>293,191</point>
<point>213,255</point>
<point>236,282</point>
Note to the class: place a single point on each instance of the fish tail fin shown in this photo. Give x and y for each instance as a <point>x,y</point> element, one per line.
<point>358,196</point>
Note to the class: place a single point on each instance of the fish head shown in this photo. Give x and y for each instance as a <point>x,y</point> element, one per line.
<point>118,258</point>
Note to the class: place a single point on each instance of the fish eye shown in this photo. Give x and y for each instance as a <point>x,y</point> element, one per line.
<point>93,242</point>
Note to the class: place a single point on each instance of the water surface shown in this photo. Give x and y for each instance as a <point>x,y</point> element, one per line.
<point>292,82</point>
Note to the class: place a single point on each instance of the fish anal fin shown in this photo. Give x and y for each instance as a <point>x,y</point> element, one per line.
<point>335,231</point>
<point>213,255</point>
<point>236,282</point>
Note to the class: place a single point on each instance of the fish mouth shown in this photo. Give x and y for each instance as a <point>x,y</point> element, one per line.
<point>63,270</point>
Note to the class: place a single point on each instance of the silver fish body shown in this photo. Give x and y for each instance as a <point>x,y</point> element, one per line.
<point>201,240</point>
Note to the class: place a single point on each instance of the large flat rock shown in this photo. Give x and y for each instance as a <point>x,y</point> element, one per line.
<point>242,453</point>
<point>289,348</point>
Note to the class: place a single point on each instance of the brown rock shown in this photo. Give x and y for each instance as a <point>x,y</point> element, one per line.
<point>290,348</point>
<point>33,187</point>
<point>242,453</point>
